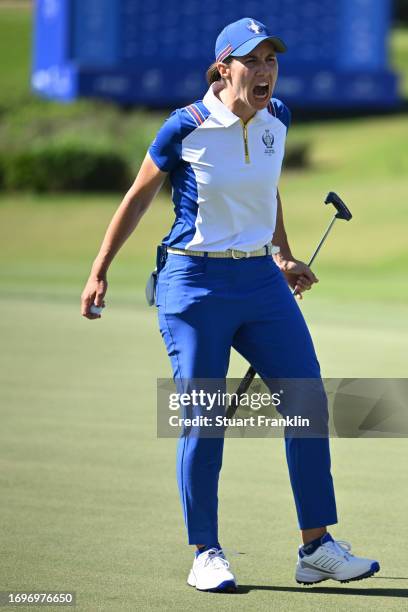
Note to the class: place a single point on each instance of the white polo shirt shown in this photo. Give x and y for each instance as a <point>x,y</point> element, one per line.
<point>224,174</point>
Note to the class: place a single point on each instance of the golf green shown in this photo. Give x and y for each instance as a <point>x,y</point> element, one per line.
<point>89,494</point>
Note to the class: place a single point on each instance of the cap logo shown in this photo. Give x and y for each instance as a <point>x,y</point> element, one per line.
<point>254,27</point>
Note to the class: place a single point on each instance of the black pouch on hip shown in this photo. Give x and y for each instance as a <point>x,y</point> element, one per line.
<point>151,284</point>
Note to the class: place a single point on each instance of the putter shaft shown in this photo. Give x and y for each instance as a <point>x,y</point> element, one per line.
<point>251,373</point>
<point>322,241</point>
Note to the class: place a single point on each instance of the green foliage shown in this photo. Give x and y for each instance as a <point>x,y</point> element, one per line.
<point>66,168</point>
<point>399,57</point>
<point>297,155</point>
<point>37,130</point>
<point>74,134</point>
<point>30,125</point>
<point>3,161</point>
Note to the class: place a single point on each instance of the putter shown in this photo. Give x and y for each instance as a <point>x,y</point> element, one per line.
<point>342,213</point>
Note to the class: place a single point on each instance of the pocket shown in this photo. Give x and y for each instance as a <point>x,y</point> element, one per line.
<point>187,283</point>
<point>185,266</point>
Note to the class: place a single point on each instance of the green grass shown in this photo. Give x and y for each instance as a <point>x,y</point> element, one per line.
<point>89,494</point>
<point>15,53</point>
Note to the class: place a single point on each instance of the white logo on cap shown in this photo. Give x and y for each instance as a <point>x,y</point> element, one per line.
<point>254,27</point>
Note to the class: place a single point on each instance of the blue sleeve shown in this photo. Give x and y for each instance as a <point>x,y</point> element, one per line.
<point>165,149</point>
<point>282,112</point>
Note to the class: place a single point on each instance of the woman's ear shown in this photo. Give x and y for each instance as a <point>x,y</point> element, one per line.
<point>224,70</point>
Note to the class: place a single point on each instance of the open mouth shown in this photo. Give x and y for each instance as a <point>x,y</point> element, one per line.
<point>261,91</point>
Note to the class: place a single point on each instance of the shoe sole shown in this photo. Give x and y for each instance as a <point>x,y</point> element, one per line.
<point>224,587</point>
<point>228,586</point>
<point>368,574</point>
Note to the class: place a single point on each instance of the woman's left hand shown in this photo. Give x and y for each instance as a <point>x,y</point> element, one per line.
<point>299,276</point>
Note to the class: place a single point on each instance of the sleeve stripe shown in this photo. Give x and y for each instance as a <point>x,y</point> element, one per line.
<point>192,111</point>
<point>191,115</point>
<point>279,110</point>
<point>199,112</point>
<point>271,109</point>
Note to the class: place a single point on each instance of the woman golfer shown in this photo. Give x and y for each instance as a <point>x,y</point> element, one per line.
<point>222,286</point>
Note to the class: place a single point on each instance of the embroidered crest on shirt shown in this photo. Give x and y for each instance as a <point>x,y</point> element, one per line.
<point>254,27</point>
<point>268,139</point>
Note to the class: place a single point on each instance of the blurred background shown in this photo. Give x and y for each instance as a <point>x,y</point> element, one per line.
<point>85,85</point>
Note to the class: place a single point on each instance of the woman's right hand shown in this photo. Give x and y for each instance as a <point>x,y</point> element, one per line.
<point>93,294</point>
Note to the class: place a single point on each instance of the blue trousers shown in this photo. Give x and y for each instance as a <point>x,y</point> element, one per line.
<point>205,307</point>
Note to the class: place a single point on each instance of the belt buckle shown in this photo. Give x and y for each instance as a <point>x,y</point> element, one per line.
<point>244,256</point>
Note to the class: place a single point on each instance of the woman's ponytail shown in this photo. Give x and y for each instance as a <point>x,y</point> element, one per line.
<point>212,73</point>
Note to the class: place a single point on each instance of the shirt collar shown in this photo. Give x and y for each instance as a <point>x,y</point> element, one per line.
<point>218,108</point>
<point>224,115</point>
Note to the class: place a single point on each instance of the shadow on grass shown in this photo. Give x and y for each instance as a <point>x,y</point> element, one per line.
<point>244,589</point>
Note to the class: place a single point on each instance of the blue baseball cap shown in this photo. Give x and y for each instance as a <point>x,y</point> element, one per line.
<point>240,37</point>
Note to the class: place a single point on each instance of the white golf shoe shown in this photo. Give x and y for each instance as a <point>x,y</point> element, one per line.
<point>333,560</point>
<point>210,572</point>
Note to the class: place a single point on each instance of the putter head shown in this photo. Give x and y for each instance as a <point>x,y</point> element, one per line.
<point>342,210</point>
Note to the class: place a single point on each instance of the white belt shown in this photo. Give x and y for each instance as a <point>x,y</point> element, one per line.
<point>268,249</point>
